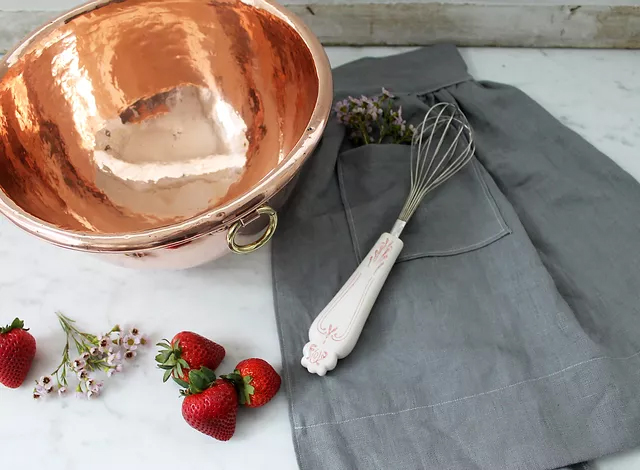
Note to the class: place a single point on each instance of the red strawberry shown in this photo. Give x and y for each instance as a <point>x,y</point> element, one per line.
<point>256,381</point>
<point>17,350</point>
<point>188,351</point>
<point>210,405</point>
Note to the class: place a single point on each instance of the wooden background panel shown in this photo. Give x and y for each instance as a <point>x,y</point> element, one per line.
<point>57,5</point>
<point>416,23</point>
<point>474,24</point>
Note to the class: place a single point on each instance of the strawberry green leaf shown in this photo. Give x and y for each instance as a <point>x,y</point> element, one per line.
<point>200,380</point>
<point>169,358</point>
<point>17,324</point>
<point>181,382</point>
<point>164,356</point>
<point>249,390</point>
<point>242,385</point>
<point>166,375</point>
<point>235,377</point>
<point>208,373</point>
<point>197,382</point>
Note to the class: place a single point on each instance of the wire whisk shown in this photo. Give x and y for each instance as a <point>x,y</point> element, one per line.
<point>441,146</point>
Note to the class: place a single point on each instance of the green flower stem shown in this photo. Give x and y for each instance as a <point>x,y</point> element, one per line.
<point>61,375</point>
<point>363,130</point>
<point>77,335</point>
<point>98,364</point>
<point>80,340</point>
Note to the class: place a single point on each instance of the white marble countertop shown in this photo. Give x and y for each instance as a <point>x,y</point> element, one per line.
<point>137,421</point>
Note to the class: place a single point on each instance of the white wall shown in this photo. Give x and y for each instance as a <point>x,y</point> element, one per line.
<point>18,5</point>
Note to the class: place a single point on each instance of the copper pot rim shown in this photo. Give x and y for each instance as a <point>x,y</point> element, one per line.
<point>216,219</point>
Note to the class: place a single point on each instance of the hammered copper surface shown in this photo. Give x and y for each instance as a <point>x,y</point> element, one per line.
<point>144,113</point>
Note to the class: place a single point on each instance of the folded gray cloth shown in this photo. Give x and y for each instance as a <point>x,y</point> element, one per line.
<point>507,335</point>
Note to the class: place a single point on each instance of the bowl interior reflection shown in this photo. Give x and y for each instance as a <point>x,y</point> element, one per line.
<point>144,113</point>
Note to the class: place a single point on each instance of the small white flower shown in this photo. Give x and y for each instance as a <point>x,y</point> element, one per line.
<point>41,390</point>
<point>92,394</point>
<point>130,342</point>
<point>85,356</point>
<point>118,368</point>
<point>49,388</point>
<point>36,396</point>
<point>104,343</point>
<point>134,331</point>
<point>62,391</point>
<point>94,385</point>
<point>83,375</point>
<point>78,364</point>
<point>130,354</point>
<point>95,351</point>
<point>114,359</point>
<point>45,380</point>
<point>110,372</point>
<point>144,339</point>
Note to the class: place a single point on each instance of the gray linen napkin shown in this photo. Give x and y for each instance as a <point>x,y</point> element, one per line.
<point>507,335</point>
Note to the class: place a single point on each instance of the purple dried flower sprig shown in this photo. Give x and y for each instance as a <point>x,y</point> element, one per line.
<point>373,119</point>
<point>106,353</point>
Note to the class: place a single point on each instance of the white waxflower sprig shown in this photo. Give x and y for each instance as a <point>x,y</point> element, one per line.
<point>374,120</point>
<point>106,353</point>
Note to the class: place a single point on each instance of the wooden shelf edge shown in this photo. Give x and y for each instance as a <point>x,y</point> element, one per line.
<point>419,24</point>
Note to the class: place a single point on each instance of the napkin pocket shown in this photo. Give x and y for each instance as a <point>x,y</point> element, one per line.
<point>457,217</point>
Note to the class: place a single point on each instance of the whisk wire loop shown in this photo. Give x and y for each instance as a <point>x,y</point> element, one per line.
<point>442,145</point>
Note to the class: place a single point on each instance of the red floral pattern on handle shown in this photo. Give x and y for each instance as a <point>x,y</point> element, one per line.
<point>381,253</point>
<point>316,354</point>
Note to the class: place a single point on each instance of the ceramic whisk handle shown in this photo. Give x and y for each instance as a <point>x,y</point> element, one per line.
<point>335,331</point>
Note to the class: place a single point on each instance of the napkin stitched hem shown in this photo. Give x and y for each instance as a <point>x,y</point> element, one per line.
<point>456,400</point>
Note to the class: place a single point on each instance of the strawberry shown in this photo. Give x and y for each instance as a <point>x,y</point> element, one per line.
<point>210,405</point>
<point>17,350</point>
<point>256,381</point>
<point>188,351</point>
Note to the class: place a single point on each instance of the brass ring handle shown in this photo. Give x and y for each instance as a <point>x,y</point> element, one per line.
<point>263,240</point>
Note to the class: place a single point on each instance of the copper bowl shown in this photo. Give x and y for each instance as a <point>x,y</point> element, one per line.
<point>153,132</point>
